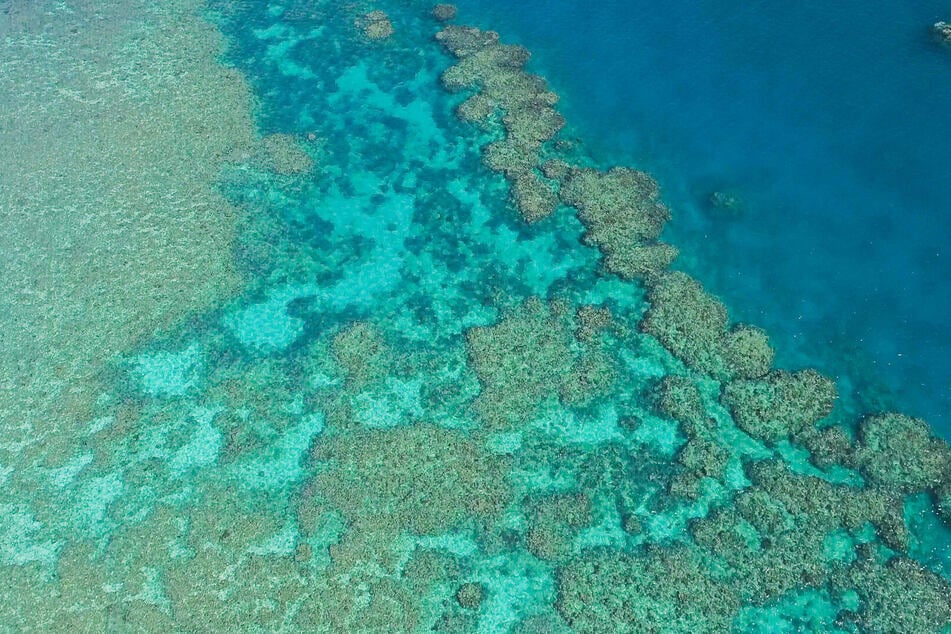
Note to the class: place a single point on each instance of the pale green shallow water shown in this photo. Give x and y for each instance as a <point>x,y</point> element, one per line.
<point>385,402</point>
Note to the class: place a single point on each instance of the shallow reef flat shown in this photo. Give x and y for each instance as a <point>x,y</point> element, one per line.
<point>460,387</point>
<point>116,121</point>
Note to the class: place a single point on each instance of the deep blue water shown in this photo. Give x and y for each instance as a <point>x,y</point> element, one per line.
<point>830,121</point>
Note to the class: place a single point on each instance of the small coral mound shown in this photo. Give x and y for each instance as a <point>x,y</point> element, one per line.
<point>444,12</point>
<point>553,524</point>
<point>592,320</point>
<point>376,25</point>
<point>900,596</point>
<point>656,591</point>
<point>623,217</point>
<point>900,451</point>
<point>677,397</point>
<point>827,447</point>
<point>361,353</point>
<point>591,376</point>
<point>747,352</point>
<point>942,32</point>
<point>519,361</point>
<point>284,154</point>
<point>780,404</point>
<point>700,458</point>
<point>420,479</point>
<point>470,595</point>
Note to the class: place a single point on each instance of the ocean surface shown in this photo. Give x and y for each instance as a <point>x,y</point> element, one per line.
<point>323,316</point>
<point>825,122</point>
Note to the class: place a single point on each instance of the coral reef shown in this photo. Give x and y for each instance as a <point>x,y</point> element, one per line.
<point>115,210</point>
<point>553,524</point>
<point>747,352</point>
<point>283,154</point>
<point>444,12</point>
<point>677,397</point>
<point>623,218</point>
<point>828,447</point>
<point>942,32</point>
<point>520,360</point>
<point>418,479</point>
<point>496,71</point>
<point>774,537</point>
<point>592,320</point>
<point>900,596</point>
<point>901,452</point>
<point>687,321</point>
<point>658,590</point>
<point>470,595</point>
<point>376,25</point>
<point>359,603</point>
<point>537,351</point>
<point>362,353</point>
<point>700,458</point>
<point>591,376</point>
<point>780,404</point>
<point>692,324</point>
<point>383,474</point>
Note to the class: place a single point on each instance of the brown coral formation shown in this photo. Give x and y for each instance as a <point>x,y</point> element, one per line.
<point>774,535</point>
<point>532,354</point>
<point>418,479</point>
<point>623,217</point>
<point>902,452</point>
<point>444,12</point>
<point>899,596</point>
<point>700,458</point>
<point>693,325</point>
<point>660,590</point>
<point>677,397</point>
<point>114,227</point>
<point>528,119</point>
<point>520,360</point>
<point>362,353</point>
<point>376,25</point>
<point>554,522</point>
<point>283,154</point>
<point>780,404</point>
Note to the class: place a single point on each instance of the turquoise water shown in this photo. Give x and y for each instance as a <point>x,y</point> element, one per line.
<point>826,122</point>
<point>456,386</point>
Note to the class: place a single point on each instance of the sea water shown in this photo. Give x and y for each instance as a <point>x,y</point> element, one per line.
<point>405,407</point>
<point>824,123</point>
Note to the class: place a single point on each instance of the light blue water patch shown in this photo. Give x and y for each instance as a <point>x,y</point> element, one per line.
<point>389,404</point>
<point>517,588</point>
<point>203,446</point>
<point>21,538</point>
<point>808,611</point>
<point>91,502</point>
<point>597,427</point>
<point>281,465</point>
<point>267,327</point>
<point>169,373</point>
<point>284,40</point>
<point>66,474</point>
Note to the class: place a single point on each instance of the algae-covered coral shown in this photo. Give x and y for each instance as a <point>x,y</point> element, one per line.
<point>427,414</point>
